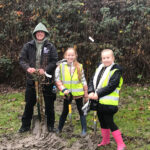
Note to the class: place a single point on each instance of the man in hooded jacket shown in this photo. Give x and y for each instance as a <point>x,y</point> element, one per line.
<point>38,55</point>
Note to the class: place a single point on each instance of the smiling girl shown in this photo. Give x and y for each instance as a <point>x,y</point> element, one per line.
<point>69,77</point>
<point>104,88</point>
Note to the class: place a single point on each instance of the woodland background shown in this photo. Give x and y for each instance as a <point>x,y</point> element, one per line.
<point>121,25</point>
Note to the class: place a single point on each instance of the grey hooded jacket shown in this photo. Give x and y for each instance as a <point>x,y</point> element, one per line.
<point>49,54</point>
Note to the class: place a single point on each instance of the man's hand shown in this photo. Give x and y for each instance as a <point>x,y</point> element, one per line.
<point>41,71</point>
<point>31,70</point>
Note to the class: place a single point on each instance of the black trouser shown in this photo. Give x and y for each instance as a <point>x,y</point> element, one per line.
<point>79,103</point>
<point>105,115</point>
<point>30,98</point>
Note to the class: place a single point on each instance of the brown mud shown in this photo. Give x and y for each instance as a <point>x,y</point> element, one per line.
<point>38,138</point>
<point>50,142</point>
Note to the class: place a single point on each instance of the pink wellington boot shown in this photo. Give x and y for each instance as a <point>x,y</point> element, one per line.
<point>105,137</point>
<point>118,138</point>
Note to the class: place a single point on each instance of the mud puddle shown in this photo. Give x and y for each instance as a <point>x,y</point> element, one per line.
<point>49,141</point>
<point>44,140</point>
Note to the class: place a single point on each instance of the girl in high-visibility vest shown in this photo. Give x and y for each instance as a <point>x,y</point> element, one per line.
<point>104,87</point>
<point>69,78</point>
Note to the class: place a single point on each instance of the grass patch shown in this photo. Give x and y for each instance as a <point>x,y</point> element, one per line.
<point>11,106</point>
<point>133,117</point>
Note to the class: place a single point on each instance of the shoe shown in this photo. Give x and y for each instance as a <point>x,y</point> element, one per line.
<point>51,129</point>
<point>58,131</point>
<point>24,129</point>
<point>84,126</point>
<point>83,133</point>
<point>105,137</point>
<point>119,140</point>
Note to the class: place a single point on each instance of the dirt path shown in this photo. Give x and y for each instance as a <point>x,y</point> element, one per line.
<point>50,142</point>
<point>68,140</point>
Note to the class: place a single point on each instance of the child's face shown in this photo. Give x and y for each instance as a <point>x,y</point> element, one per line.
<point>107,58</point>
<point>70,56</point>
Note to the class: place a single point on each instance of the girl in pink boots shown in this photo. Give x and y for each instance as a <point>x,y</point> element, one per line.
<point>104,88</point>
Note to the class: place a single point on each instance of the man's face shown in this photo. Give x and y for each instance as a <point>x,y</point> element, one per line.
<point>40,35</point>
<point>107,58</point>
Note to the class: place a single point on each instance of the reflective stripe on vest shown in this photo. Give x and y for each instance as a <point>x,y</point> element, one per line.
<point>71,83</point>
<point>112,98</point>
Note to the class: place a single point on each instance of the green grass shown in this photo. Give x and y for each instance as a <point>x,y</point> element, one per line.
<point>133,117</point>
<point>11,109</point>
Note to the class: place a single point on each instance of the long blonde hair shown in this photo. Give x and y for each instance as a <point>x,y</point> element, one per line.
<point>77,65</point>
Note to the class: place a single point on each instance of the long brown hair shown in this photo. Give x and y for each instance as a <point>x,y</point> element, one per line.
<point>77,65</point>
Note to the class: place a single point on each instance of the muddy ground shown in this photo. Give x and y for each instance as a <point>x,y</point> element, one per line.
<point>50,142</point>
<point>44,140</point>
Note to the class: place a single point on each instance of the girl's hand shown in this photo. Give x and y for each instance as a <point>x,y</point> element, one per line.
<point>95,97</point>
<point>66,92</point>
<point>85,99</point>
<point>91,95</point>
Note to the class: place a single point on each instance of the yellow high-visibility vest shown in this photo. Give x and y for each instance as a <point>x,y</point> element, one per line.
<point>71,83</point>
<point>112,98</point>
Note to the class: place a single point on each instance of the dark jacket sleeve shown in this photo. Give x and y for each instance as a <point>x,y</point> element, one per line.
<point>52,60</point>
<point>91,86</point>
<point>23,58</point>
<point>112,85</point>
